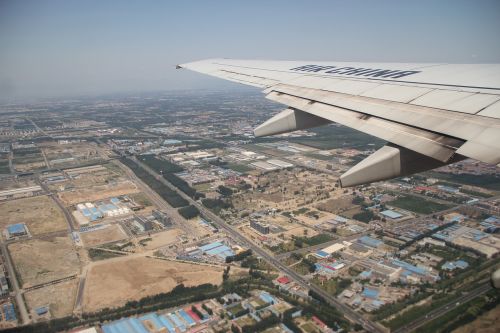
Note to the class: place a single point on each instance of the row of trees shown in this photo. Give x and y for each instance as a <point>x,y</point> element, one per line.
<point>167,170</point>
<point>239,256</point>
<point>169,195</point>
<point>189,212</point>
<point>216,204</point>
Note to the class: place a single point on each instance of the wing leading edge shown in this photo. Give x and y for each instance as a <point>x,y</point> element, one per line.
<point>431,114</point>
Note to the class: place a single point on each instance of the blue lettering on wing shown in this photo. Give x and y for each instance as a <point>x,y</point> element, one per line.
<point>367,72</point>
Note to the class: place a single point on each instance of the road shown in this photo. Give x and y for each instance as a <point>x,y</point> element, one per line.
<point>68,216</point>
<point>155,197</point>
<point>234,233</point>
<point>25,318</point>
<point>445,308</point>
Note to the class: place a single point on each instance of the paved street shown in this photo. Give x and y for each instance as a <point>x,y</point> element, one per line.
<point>444,309</point>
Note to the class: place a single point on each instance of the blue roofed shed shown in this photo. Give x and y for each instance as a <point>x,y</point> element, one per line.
<point>370,293</point>
<point>391,214</point>
<point>18,228</point>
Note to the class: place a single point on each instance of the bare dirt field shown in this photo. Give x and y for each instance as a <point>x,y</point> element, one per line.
<point>113,282</point>
<point>59,297</point>
<point>163,238</point>
<point>337,205</point>
<point>300,232</point>
<point>110,234</point>
<point>39,261</point>
<point>40,214</point>
<point>322,217</point>
<point>93,193</point>
<point>11,183</point>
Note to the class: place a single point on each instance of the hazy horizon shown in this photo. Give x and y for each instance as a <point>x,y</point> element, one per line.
<point>70,49</point>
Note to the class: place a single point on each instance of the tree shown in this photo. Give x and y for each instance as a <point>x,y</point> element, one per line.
<point>189,212</point>
<point>224,191</point>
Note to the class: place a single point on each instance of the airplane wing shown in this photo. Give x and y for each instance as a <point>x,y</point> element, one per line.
<point>431,114</point>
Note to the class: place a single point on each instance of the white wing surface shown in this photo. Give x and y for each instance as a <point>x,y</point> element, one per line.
<point>431,114</point>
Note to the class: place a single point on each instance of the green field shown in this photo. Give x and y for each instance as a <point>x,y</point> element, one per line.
<point>487,181</point>
<point>239,167</point>
<point>418,205</point>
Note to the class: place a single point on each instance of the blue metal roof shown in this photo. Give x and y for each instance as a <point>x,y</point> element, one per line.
<point>217,250</point>
<point>210,246</point>
<point>167,324</point>
<point>391,214</point>
<point>322,254</point>
<point>16,228</point>
<point>370,241</point>
<point>409,267</point>
<point>370,293</point>
<point>153,319</point>
<point>187,318</point>
<point>365,274</point>
<point>177,322</point>
<point>266,297</point>
<point>492,219</point>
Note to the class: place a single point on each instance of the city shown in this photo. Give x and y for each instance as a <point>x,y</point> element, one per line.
<point>161,212</point>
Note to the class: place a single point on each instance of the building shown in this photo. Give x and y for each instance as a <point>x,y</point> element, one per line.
<point>371,242</point>
<point>4,286</point>
<point>327,251</point>
<point>17,230</point>
<point>162,218</point>
<point>265,166</point>
<point>20,192</point>
<point>260,227</point>
<point>280,164</point>
<point>391,214</point>
<point>452,265</point>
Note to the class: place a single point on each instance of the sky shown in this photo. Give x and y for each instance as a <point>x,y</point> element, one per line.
<point>74,48</point>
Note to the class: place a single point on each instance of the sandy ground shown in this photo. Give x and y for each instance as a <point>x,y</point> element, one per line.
<point>59,297</point>
<point>26,167</point>
<point>40,214</point>
<point>163,238</point>
<point>300,232</point>
<point>113,282</point>
<point>93,193</point>
<point>9,183</point>
<point>486,323</point>
<point>336,205</point>
<point>39,261</point>
<point>110,234</point>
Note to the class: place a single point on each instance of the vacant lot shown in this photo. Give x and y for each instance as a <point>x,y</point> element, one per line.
<point>38,261</point>
<point>110,234</point>
<point>92,193</point>
<point>40,214</point>
<point>59,297</point>
<point>113,282</point>
<point>337,205</point>
<point>163,238</point>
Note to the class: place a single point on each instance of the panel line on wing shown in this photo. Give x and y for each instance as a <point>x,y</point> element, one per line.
<point>437,146</point>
